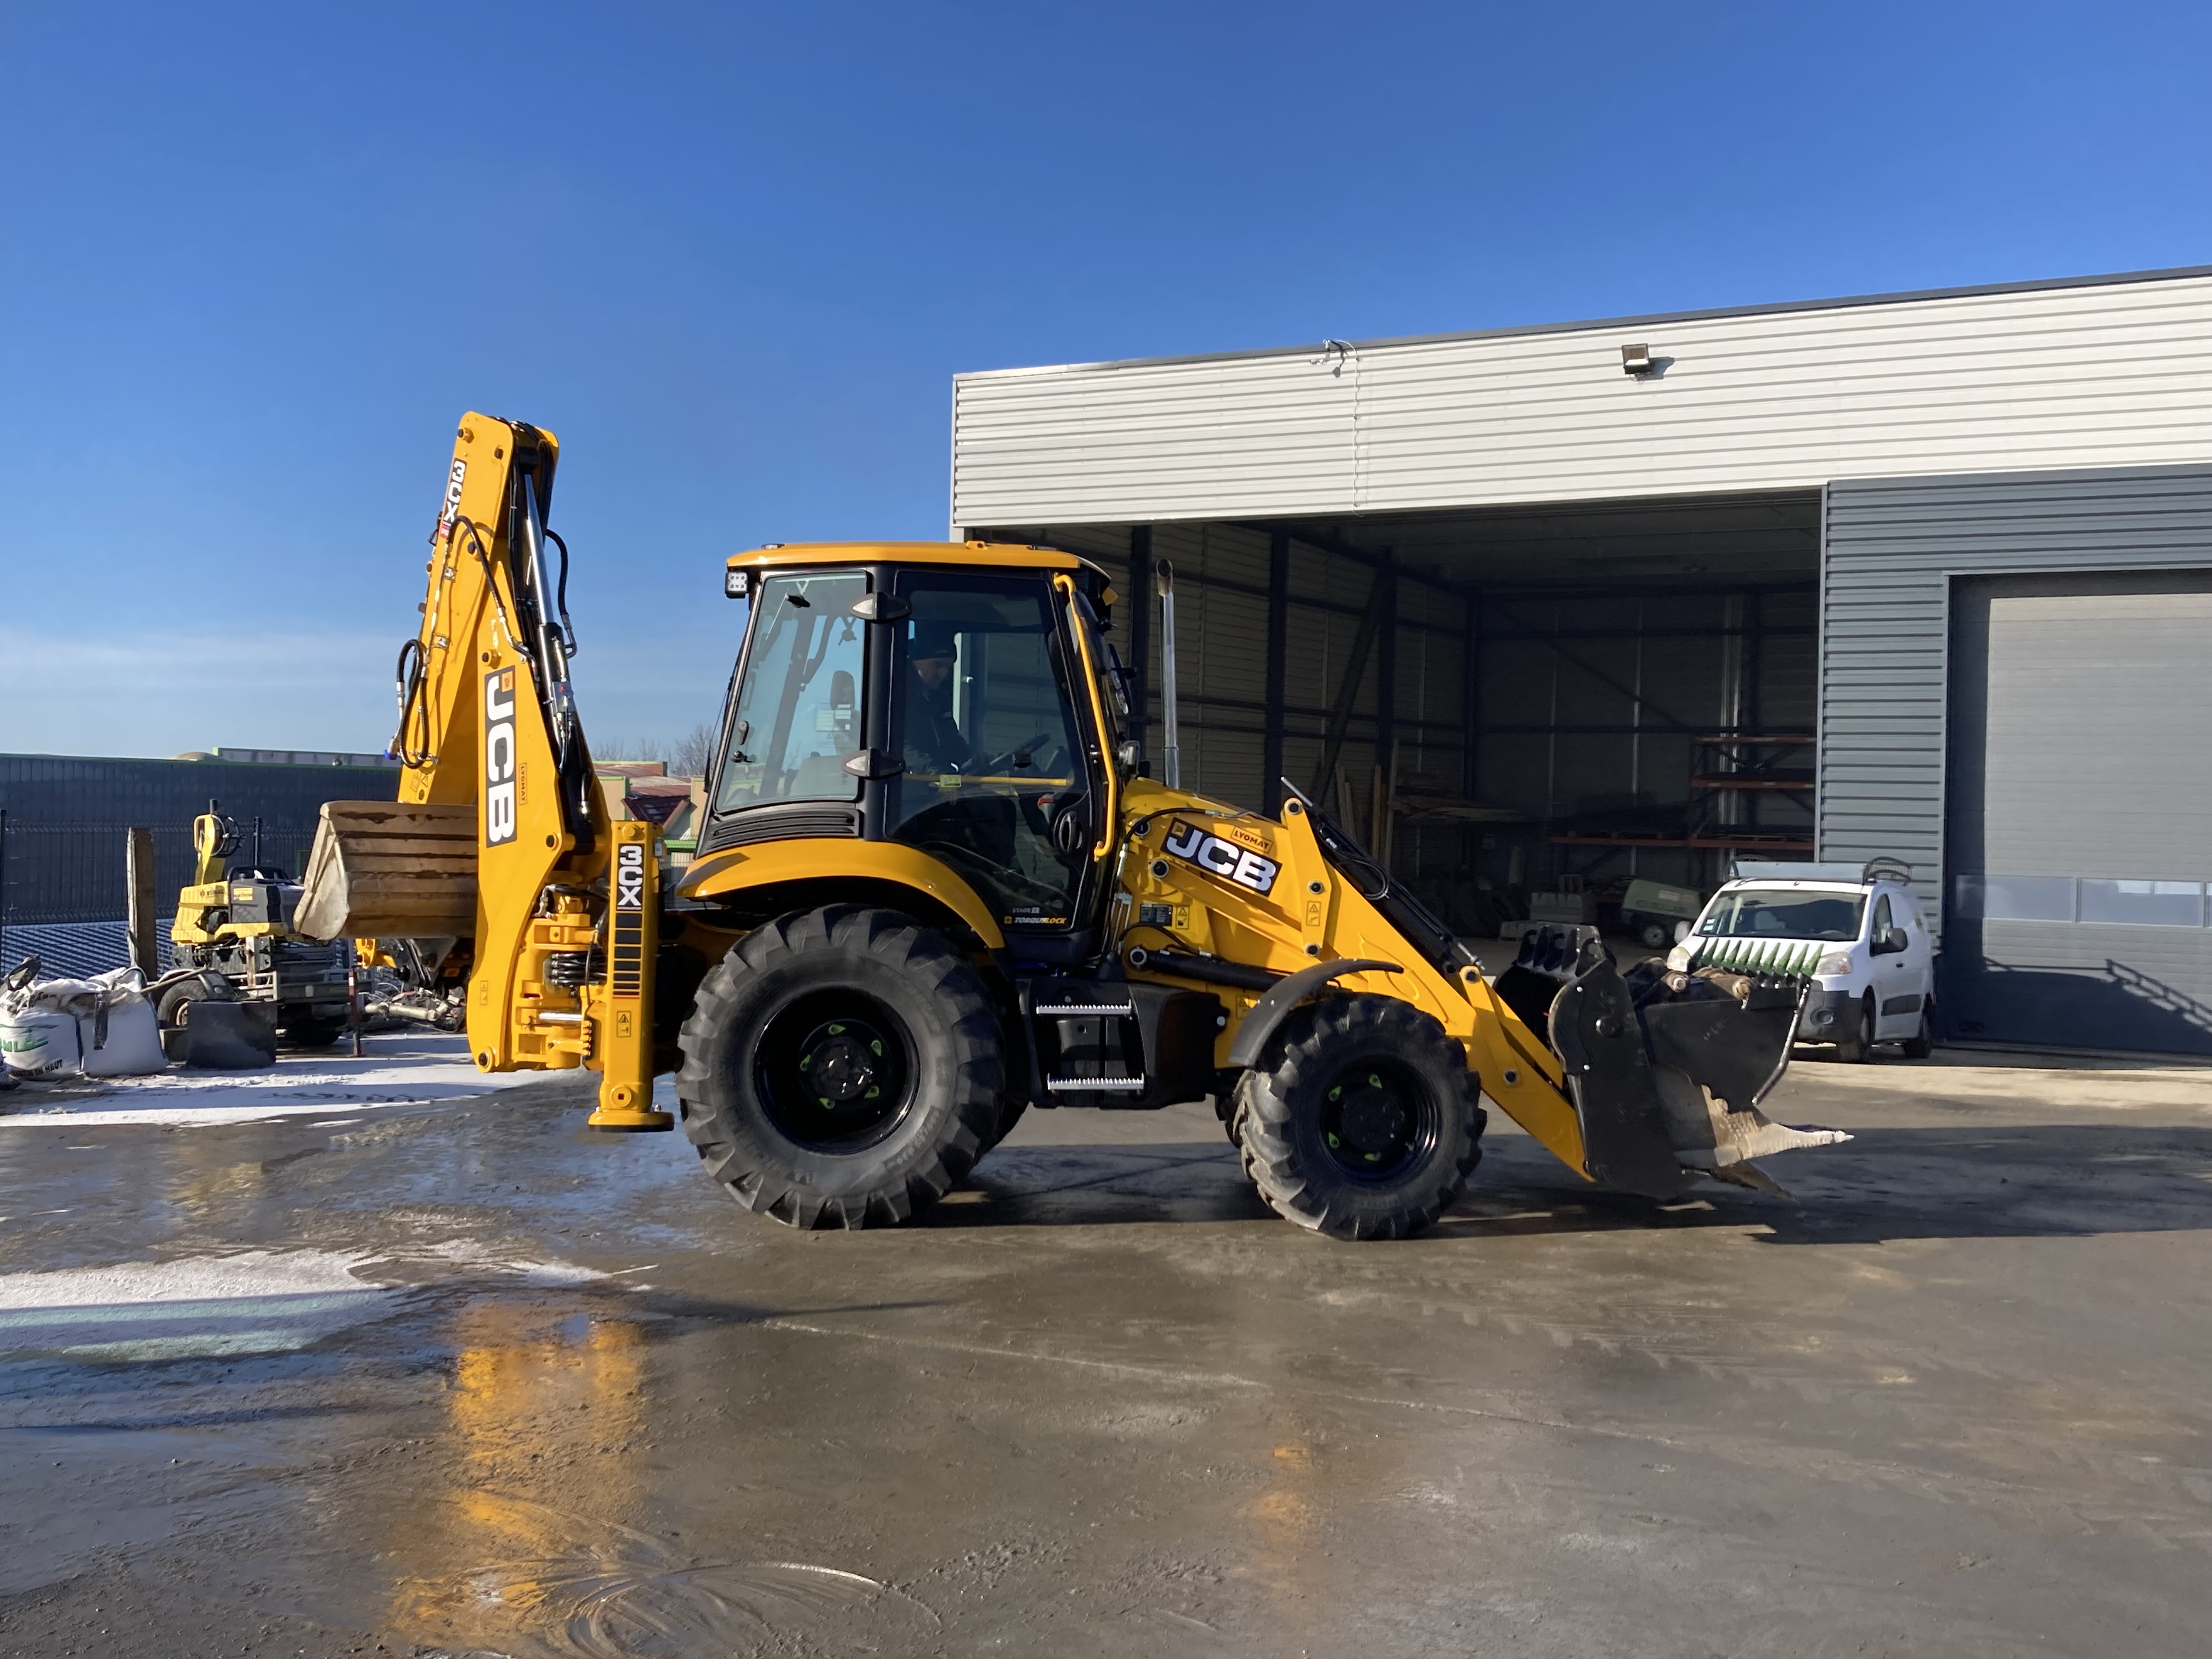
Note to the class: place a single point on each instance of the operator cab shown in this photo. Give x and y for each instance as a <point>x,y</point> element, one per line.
<point>923,696</point>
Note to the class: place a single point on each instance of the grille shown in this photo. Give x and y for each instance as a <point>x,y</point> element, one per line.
<point>780,823</point>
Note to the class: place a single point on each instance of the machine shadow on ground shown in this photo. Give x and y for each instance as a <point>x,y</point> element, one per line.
<point>2054,1181</point>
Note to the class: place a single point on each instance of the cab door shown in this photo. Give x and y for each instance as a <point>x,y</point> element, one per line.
<point>998,773</point>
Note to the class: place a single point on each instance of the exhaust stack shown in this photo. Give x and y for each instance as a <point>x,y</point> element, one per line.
<point>1170,745</point>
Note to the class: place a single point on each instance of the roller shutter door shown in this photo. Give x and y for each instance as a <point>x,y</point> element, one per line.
<point>2079,842</point>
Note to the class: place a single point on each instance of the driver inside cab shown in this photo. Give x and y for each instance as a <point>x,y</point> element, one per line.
<point>934,741</point>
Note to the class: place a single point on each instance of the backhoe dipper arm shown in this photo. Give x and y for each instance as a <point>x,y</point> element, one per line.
<point>566,901</point>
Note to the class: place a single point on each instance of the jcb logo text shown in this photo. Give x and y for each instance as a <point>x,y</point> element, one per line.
<point>1221,858</point>
<point>499,756</point>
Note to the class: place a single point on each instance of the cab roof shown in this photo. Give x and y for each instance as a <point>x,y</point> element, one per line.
<point>996,554</point>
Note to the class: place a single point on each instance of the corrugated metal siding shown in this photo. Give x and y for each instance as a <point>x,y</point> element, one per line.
<point>2101,374</point>
<point>1891,550</point>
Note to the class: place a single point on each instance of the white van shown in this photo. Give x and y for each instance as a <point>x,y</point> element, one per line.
<point>1856,930</point>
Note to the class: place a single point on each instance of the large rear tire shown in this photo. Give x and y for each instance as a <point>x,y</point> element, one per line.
<point>1360,1121</point>
<point>843,1068</point>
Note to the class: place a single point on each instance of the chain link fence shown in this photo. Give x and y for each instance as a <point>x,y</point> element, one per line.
<point>64,892</point>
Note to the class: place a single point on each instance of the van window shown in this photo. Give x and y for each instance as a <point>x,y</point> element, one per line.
<point>1784,912</point>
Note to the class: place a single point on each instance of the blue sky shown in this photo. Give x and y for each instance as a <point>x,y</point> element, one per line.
<point>255,259</point>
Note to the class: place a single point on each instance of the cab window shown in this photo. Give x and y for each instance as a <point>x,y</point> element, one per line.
<point>797,713</point>
<point>984,721</point>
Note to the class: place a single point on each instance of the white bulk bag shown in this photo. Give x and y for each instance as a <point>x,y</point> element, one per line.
<point>113,1031</point>
<point>121,1037</point>
<point>38,1043</point>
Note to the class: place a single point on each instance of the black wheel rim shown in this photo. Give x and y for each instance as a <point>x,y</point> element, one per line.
<point>836,1071</point>
<point>1377,1121</point>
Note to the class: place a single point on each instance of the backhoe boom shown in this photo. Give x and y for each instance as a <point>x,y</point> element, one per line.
<point>499,818</point>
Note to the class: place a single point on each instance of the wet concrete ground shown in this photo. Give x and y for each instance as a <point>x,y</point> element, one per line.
<point>467,1378</point>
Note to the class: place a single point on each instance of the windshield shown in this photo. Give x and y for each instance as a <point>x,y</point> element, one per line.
<point>1784,912</point>
<point>796,718</point>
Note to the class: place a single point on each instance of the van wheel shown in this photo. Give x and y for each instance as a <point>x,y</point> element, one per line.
<point>1922,1043</point>
<point>843,1068</point>
<point>1854,1049</point>
<point>1360,1121</point>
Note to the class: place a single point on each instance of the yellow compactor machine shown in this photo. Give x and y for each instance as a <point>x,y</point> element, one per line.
<point>936,887</point>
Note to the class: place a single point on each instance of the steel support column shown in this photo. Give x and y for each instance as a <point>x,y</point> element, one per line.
<point>1278,634</point>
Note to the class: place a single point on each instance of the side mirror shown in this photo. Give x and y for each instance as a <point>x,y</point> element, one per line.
<point>1132,756</point>
<point>1891,942</point>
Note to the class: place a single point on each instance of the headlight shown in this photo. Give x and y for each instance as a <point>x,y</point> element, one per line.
<point>1836,963</point>
<point>1678,959</point>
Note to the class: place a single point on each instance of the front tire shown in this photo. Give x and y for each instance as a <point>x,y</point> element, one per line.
<point>206,987</point>
<point>1360,1121</point>
<point>843,1068</point>
<point>1857,1048</point>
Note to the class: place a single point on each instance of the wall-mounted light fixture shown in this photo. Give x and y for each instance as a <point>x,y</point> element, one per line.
<point>1636,360</point>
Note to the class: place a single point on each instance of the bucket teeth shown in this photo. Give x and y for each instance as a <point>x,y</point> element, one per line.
<point>1667,1070</point>
<point>1750,1175</point>
<point>1707,1136</point>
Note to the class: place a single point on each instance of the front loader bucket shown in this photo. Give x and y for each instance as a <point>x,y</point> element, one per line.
<point>1666,1070</point>
<point>387,870</point>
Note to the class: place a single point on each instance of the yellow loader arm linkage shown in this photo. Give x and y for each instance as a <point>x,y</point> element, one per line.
<point>500,834</point>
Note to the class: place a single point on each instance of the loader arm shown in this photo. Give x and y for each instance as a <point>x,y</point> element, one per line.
<point>1644,1095</point>
<point>500,831</point>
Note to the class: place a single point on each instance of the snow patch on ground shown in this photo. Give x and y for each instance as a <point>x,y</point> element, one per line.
<point>254,1301</point>
<point>401,1069</point>
<point>250,1302</point>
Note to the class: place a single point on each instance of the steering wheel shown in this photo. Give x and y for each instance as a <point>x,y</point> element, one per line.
<point>1021,754</point>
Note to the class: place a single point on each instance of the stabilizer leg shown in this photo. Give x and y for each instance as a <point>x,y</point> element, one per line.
<point>622,1010</point>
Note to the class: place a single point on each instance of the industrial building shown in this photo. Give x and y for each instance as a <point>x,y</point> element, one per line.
<point>1926,576</point>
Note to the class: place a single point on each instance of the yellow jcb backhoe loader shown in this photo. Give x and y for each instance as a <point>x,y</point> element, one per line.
<point>935,887</point>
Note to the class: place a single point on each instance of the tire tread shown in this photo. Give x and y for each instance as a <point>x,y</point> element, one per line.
<point>1297,1062</point>
<point>962,1009</point>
